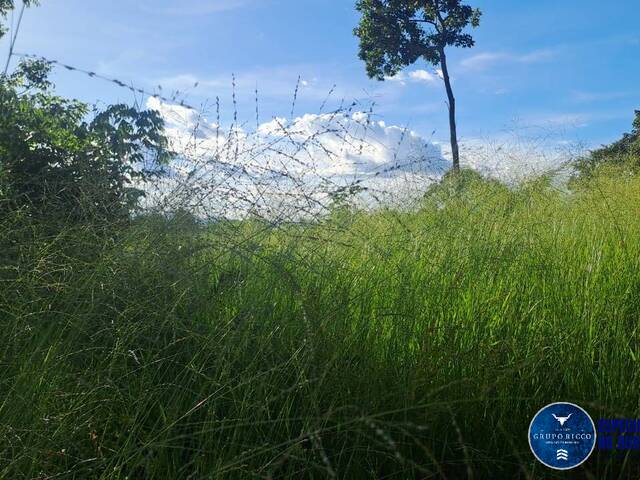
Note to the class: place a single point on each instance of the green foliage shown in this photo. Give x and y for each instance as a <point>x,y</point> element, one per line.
<point>462,182</point>
<point>371,345</point>
<point>624,153</point>
<point>59,159</point>
<point>396,33</point>
<point>397,345</point>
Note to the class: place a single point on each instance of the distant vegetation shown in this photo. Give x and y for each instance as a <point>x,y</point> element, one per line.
<point>623,154</point>
<point>380,344</point>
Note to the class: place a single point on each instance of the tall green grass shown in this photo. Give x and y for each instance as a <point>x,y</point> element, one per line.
<point>368,345</point>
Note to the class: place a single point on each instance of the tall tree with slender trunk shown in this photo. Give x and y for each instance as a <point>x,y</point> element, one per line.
<point>397,33</point>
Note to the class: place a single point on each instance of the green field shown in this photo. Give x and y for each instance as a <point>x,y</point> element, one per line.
<point>396,345</point>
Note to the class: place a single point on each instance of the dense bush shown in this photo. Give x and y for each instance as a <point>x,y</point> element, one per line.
<point>58,159</point>
<point>624,153</point>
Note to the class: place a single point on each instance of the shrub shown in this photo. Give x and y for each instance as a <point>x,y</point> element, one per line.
<point>61,160</point>
<point>624,153</point>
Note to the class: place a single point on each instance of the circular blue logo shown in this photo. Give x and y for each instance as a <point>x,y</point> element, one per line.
<point>562,435</point>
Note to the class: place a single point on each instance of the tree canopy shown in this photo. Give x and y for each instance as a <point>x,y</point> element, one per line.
<point>396,33</point>
<point>58,155</point>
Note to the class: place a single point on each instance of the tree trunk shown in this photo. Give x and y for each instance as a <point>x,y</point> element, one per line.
<point>452,112</point>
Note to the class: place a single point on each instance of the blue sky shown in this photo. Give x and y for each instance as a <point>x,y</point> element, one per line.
<point>569,66</point>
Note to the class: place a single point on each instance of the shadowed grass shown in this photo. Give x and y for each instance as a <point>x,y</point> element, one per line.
<point>370,345</point>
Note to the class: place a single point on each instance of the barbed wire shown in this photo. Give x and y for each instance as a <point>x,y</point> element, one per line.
<point>230,169</point>
<point>115,81</point>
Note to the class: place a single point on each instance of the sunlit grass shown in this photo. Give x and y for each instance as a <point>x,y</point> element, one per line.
<point>369,345</point>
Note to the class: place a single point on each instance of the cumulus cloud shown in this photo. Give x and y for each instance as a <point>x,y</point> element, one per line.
<point>422,76</point>
<point>415,76</point>
<point>287,169</point>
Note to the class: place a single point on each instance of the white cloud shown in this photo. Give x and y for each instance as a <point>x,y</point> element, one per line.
<point>590,97</point>
<point>557,120</point>
<point>288,169</point>
<point>415,76</point>
<point>399,77</point>
<point>422,76</point>
<point>577,120</point>
<point>536,56</point>
<point>563,122</point>
<point>484,60</point>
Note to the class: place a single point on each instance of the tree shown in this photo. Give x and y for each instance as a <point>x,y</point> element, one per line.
<point>396,33</point>
<point>60,159</point>
<point>622,153</point>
